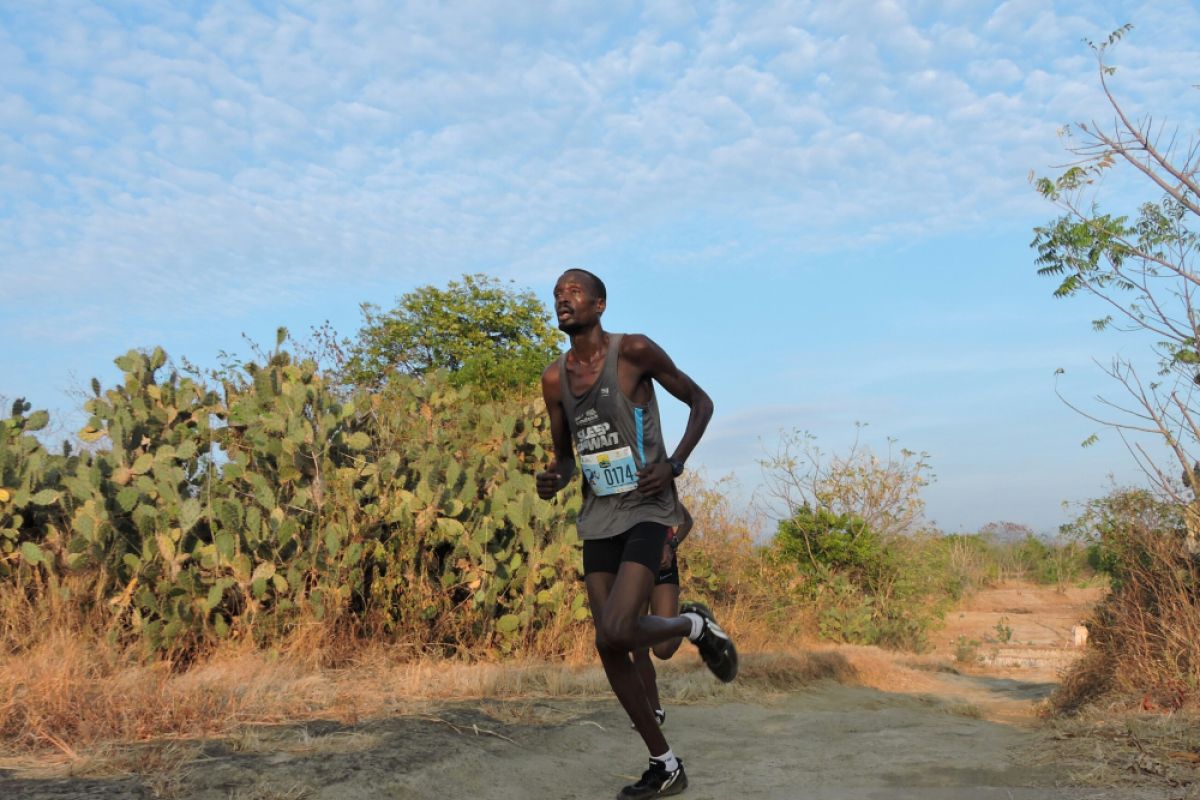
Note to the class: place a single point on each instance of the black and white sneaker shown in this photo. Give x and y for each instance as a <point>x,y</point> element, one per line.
<point>660,717</point>
<point>716,648</point>
<point>658,781</point>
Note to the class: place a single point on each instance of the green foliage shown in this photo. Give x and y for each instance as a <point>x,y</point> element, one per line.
<point>894,590</point>
<point>1048,563</point>
<point>868,589</point>
<point>487,335</point>
<point>967,562</point>
<point>845,533</point>
<point>817,539</point>
<point>1115,529</point>
<point>204,514</point>
<point>882,492</point>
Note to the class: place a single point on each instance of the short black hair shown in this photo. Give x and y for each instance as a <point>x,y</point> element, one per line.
<point>597,284</point>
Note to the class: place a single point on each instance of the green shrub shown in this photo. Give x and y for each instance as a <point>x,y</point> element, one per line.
<point>817,539</point>
<point>867,589</point>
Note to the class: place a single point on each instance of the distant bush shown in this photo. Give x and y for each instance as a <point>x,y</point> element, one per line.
<point>819,538</point>
<point>865,589</point>
<point>893,591</point>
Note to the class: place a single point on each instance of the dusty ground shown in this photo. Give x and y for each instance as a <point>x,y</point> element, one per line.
<point>959,723</point>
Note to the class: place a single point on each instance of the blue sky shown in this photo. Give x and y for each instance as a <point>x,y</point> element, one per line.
<point>820,209</point>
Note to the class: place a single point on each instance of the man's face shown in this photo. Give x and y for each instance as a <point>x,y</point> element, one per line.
<point>575,303</point>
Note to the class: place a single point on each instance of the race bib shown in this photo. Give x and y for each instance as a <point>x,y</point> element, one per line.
<point>611,471</point>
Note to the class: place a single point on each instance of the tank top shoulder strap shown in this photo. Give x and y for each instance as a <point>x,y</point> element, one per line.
<point>610,358</point>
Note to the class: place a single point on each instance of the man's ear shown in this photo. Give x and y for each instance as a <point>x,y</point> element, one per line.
<point>601,304</point>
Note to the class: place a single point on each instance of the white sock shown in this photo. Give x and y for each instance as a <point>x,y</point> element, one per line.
<point>668,760</point>
<point>697,624</point>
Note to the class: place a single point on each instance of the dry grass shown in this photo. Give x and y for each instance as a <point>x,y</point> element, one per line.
<point>1142,642</point>
<point>1107,746</point>
<point>67,720</point>
<point>68,694</point>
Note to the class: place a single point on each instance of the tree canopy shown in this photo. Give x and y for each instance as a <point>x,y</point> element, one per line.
<point>486,333</point>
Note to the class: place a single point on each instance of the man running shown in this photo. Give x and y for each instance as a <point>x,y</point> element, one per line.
<point>601,401</point>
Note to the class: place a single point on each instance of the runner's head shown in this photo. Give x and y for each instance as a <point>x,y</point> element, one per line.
<point>579,300</point>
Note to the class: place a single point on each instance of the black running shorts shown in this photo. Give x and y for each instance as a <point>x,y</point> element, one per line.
<point>642,544</point>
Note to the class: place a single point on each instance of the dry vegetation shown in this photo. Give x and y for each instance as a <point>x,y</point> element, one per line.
<point>1143,635</point>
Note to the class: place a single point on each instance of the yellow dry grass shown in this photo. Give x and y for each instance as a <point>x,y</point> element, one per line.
<point>66,691</point>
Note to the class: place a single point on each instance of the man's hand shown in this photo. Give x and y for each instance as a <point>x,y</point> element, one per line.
<point>668,554</point>
<point>654,478</point>
<point>549,482</point>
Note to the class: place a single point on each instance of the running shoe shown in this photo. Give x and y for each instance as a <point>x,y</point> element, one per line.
<point>716,648</point>
<point>658,781</point>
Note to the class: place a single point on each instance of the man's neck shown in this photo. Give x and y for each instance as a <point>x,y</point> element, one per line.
<point>586,344</point>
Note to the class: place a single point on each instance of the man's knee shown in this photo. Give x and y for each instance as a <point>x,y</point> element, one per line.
<point>605,644</point>
<point>616,635</point>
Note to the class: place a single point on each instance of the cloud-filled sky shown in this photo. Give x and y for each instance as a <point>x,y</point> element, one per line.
<point>821,210</point>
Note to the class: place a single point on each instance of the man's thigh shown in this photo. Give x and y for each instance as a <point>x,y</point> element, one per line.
<point>620,597</point>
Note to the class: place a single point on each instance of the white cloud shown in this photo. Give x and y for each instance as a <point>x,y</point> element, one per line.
<point>229,158</point>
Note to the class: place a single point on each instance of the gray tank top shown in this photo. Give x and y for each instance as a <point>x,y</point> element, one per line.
<point>614,438</point>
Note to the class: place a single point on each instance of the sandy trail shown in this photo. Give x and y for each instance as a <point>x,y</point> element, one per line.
<point>915,729</point>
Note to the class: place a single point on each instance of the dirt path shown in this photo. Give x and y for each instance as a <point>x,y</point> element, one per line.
<point>913,729</point>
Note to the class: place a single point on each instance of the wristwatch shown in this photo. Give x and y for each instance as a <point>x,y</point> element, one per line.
<point>676,467</point>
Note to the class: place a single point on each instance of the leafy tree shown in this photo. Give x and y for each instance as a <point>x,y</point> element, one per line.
<point>487,334</point>
<point>884,493</point>
<point>1143,270</point>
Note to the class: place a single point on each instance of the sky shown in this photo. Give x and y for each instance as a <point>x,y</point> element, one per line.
<point>822,211</point>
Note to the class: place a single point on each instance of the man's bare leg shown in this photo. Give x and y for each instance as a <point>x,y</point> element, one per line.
<point>617,603</point>
<point>649,677</point>
<point>664,602</point>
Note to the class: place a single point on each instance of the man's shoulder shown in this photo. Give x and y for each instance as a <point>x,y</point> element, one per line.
<point>635,344</point>
<point>552,373</point>
<point>640,350</point>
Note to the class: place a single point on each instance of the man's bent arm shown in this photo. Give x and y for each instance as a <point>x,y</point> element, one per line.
<point>656,364</point>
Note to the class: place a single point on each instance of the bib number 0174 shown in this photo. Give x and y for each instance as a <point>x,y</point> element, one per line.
<point>610,472</point>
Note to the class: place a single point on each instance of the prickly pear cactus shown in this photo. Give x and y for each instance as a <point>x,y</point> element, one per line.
<point>29,493</point>
<point>201,513</point>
